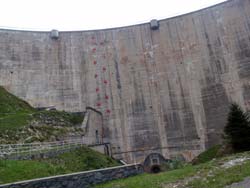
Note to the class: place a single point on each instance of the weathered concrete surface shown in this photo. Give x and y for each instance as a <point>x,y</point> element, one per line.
<point>93,127</point>
<point>81,179</point>
<point>165,90</point>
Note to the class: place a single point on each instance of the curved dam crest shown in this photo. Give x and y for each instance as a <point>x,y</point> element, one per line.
<point>166,90</point>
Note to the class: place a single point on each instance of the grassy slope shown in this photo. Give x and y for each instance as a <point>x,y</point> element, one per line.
<point>14,121</point>
<point>150,180</point>
<point>208,155</point>
<point>17,118</point>
<point>14,112</point>
<point>10,104</point>
<point>207,175</point>
<point>75,161</point>
<point>221,177</point>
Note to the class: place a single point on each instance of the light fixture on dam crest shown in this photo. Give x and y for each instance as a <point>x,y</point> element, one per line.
<point>154,24</point>
<point>54,34</point>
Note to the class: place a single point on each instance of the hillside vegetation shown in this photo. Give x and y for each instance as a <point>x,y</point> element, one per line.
<point>10,104</point>
<point>21,123</point>
<point>216,173</point>
<point>216,167</point>
<point>213,152</point>
<point>75,161</point>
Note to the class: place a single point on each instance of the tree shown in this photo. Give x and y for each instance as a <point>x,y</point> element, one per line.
<point>237,130</point>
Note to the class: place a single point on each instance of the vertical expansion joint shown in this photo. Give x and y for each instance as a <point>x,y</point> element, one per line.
<point>54,34</point>
<point>154,24</point>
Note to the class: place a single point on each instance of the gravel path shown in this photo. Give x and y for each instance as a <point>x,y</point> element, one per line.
<point>242,184</point>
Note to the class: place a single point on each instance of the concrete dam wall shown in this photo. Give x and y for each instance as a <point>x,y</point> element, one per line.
<point>165,90</point>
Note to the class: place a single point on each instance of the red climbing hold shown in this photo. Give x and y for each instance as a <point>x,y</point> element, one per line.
<point>93,38</point>
<point>97,90</point>
<point>108,111</point>
<point>105,81</point>
<point>94,50</point>
<point>106,97</point>
<point>96,75</point>
<point>98,104</point>
<point>94,62</point>
<point>104,69</point>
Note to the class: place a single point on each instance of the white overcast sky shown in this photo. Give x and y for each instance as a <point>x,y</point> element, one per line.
<point>90,14</point>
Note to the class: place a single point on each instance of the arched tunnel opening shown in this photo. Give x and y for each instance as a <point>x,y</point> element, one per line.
<point>155,169</point>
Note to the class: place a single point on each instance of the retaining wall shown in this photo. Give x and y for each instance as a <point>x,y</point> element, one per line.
<point>81,179</point>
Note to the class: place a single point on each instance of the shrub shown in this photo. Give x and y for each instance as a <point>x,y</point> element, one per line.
<point>208,155</point>
<point>237,129</point>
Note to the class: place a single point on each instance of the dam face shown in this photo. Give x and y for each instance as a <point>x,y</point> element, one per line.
<point>166,90</point>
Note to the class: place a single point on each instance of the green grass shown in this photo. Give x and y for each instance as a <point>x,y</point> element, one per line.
<point>78,160</point>
<point>208,155</point>
<point>42,126</point>
<point>151,180</point>
<point>82,159</point>
<point>19,122</point>
<point>59,116</point>
<point>206,175</point>
<point>222,177</point>
<point>21,119</point>
<point>10,104</point>
<point>20,170</point>
<point>15,121</point>
<point>15,113</point>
